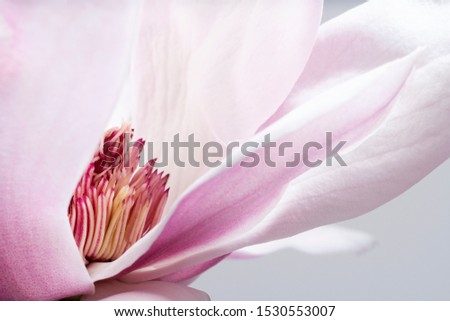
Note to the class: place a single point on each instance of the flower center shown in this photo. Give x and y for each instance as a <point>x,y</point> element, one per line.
<point>115,204</point>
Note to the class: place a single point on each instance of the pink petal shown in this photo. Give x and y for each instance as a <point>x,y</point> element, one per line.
<point>413,142</point>
<point>330,239</point>
<point>187,274</point>
<point>325,240</point>
<point>408,146</point>
<point>367,37</point>
<point>147,291</point>
<point>250,66</point>
<point>210,219</point>
<point>61,69</point>
<point>217,70</point>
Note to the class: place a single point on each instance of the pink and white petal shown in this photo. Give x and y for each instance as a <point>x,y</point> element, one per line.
<point>369,36</point>
<point>209,220</point>
<point>61,67</point>
<point>325,240</point>
<point>330,239</point>
<point>248,67</point>
<point>409,145</point>
<point>170,31</point>
<point>216,70</point>
<point>114,290</point>
<point>190,273</point>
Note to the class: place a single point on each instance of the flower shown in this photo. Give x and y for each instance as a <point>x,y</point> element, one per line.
<point>224,72</point>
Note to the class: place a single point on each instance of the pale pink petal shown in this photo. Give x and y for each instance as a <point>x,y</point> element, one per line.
<point>408,146</point>
<point>210,219</point>
<point>325,240</point>
<point>330,239</point>
<point>61,67</point>
<point>114,290</point>
<point>369,36</point>
<point>216,70</point>
<point>188,274</point>
<point>248,68</point>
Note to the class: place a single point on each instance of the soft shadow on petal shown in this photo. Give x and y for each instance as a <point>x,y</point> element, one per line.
<point>248,65</point>
<point>367,37</point>
<point>323,240</point>
<point>216,70</point>
<point>65,63</point>
<point>147,291</point>
<point>190,273</point>
<point>409,145</point>
<point>221,207</point>
<point>412,142</point>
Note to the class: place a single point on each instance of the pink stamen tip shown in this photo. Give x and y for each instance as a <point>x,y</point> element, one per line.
<point>116,203</point>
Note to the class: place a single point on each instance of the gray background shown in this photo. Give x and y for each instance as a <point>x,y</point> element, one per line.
<point>411,261</point>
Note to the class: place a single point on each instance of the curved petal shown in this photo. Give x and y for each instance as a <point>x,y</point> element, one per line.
<point>325,240</point>
<point>366,37</point>
<point>216,70</point>
<point>264,55</point>
<point>61,69</point>
<point>189,273</point>
<point>329,239</point>
<point>383,167</point>
<point>147,291</point>
<point>408,146</point>
<point>210,219</point>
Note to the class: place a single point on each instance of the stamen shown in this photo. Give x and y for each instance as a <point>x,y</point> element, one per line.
<point>114,205</point>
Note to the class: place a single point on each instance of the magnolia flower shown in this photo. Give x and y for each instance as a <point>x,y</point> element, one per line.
<point>229,71</point>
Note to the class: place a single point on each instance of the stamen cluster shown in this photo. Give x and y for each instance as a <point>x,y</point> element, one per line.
<point>115,204</point>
